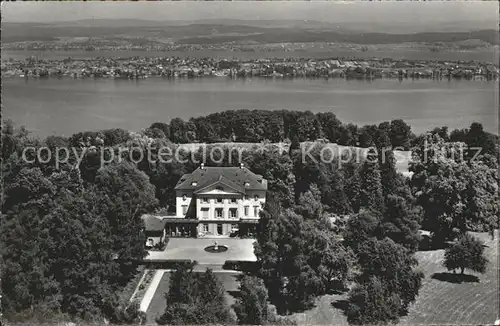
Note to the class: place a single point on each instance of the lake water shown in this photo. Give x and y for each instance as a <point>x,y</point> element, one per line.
<point>66,106</point>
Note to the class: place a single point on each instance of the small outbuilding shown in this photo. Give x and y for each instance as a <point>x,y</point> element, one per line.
<point>154,228</point>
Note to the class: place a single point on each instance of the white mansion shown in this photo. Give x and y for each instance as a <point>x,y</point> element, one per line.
<point>212,202</point>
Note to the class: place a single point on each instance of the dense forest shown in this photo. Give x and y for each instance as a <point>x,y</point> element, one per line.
<point>70,231</point>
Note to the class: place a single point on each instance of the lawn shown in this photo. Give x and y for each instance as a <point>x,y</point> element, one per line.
<point>443,302</point>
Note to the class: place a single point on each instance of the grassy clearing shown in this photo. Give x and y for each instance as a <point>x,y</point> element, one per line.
<point>443,302</point>
<point>439,302</point>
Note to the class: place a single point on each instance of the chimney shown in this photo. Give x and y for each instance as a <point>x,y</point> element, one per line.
<point>202,166</point>
<point>241,165</point>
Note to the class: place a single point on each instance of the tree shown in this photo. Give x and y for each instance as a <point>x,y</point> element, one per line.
<point>387,283</point>
<point>308,127</point>
<point>300,259</point>
<point>177,131</point>
<point>370,304</point>
<point>351,171</point>
<point>29,185</point>
<point>195,299</point>
<point>330,126</point>
<point>13,138</point>
<point>124,194</point>
<point>277,169</point>
<point>381,138</point>
<point>367,135</point>
<point>212,299</point>
<point>394,265</point>
<point>309,204</point>
<point>401,222</point>
<point>162,126</point>
<point>56,249</point>
<point>349,135</point>
<point>116,136</point>
<point>465,253</point>
<point>295,143</point>
<point>388,173</point>
<point>251,304</point>
<point>155,133</point>
<point>371,195</point>
<point>455,195</point>
<point>400,134</point>
<point>323,170</point>
<point>360,228</point>
<point>476,137</point>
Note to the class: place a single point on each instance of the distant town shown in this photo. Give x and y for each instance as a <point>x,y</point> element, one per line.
<point>141,67</point>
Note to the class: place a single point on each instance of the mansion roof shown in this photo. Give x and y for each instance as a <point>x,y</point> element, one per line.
<point>238,178</point>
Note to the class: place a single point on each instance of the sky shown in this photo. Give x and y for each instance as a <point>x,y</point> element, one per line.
<point>404,11</point>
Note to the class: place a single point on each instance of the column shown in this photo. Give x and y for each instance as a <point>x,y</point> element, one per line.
<point>225,210</point>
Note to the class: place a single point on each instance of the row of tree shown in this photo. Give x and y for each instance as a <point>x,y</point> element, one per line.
<point>262,125</point>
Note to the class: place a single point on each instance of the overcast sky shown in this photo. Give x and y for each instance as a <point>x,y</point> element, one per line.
<point>404,11</point>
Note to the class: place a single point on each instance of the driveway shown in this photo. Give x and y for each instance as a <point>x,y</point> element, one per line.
<point>189,248</point>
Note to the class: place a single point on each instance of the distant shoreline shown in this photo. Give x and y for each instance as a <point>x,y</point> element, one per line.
<point>135,68</point>
<point>488,55</point>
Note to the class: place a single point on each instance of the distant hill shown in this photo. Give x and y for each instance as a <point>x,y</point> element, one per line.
<point>294,35</point>
<point>393,26</point>
<point>214,31</point>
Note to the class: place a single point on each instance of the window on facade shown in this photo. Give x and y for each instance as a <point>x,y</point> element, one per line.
<point>256,211</point>
<point>218,213</point>
<point>246,210</point>
<point>233,213</point>
<point>234,227</point>
<point>204,212</point>
<point>245,197</point>
<point>205,228</point>
<point>219,200</point>
<point>184,197</point>
<point>204,200</point>
<point>184,209</point>
<point>256,197</point>
<point>233,200</point>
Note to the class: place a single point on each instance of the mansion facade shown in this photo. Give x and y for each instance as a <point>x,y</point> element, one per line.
<point>213,202</point>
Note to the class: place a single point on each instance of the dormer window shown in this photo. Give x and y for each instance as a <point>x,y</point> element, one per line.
<point>256,197</point>
<point>247,184</point>
<point>219,188</point>
<point>194,183</point>
<point>184,197</point>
